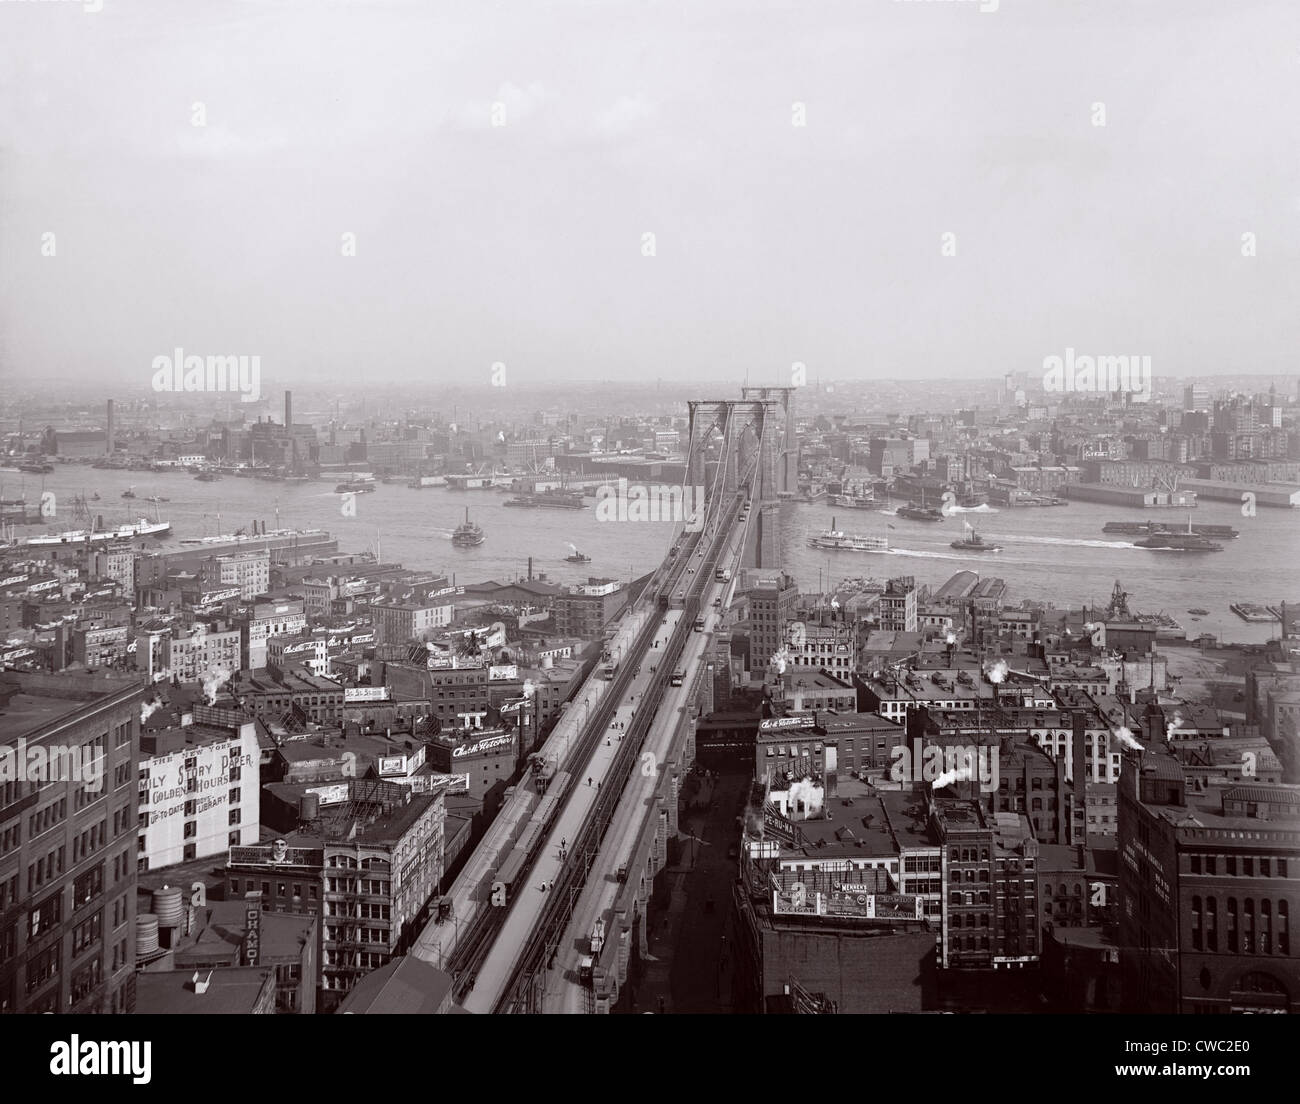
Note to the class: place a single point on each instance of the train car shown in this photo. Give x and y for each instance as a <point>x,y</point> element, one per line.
<point>543,771</point>
<point>510,873</point>
<point>545,809</point>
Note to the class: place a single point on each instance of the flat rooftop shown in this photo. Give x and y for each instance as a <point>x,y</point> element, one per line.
<point>233,990</point>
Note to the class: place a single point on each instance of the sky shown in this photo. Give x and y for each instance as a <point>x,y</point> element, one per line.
<point>127,231</point>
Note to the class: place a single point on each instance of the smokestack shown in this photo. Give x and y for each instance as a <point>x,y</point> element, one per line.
<point>288,410</point>
<point>108,441</point>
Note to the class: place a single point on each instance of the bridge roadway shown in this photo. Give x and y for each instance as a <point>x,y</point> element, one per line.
<point>563,990</point>
<point>531,899</point>
<point>533,907</point>
<point>473,942</point>
<point>469,894</point>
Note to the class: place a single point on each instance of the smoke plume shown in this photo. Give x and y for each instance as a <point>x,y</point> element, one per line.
<point>1125,737</point>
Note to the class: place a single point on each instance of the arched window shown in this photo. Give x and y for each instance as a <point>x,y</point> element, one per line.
<point>1197,934</point>
<point>1248,926</point>
<point>1211,923</point>
<point>1232,925</point>
<point>1047,890</point>
<point>984,897</point>
<point>970,898</point>
<point>1283,934</point>
<point>1266,926</point>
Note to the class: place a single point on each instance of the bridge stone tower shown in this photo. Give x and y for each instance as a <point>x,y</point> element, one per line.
<point>728,438</point>
<point>787,459</point>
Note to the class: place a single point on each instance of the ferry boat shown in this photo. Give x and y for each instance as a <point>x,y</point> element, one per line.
<point>142,527</point>
<point>854,502</point>
<point>355,486</point>
<point>467,535</point>
<point>973,542</point>
<point>1150,527</point>
<point>274,537</point>
<point>1162,540</point>
<point>835,540</point>
<point>578,557</point>
<point>921,512</point>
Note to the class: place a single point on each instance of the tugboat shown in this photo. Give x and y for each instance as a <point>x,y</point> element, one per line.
<point>129,492</point>
<point>973,542</point>
<point>467,535</point>
<point>577,557</point>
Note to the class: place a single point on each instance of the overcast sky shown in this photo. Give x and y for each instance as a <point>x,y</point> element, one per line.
<point>523,243</point>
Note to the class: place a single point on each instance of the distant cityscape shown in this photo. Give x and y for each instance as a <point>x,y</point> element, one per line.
<point>291,711</point>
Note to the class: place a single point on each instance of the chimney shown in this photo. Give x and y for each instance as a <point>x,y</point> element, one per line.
<point>288,410</point>
<point>201,982</point>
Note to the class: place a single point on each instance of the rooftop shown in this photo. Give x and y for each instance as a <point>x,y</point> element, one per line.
<point>405,986</point>
<point>232,990</point>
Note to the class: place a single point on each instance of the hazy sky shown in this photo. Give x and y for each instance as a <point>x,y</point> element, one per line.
<point>522,243</point>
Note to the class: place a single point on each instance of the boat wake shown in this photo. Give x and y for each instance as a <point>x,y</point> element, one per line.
<point>1080,543</point>
<point>982,508</point>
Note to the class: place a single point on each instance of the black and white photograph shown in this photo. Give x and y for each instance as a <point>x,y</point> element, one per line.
<point>629,507</point>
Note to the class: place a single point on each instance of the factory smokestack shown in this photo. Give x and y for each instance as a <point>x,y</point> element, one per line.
<point>108,437</point>
<point>288,410</point>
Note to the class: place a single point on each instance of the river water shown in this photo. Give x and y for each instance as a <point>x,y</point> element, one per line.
<point>1053,554</point>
